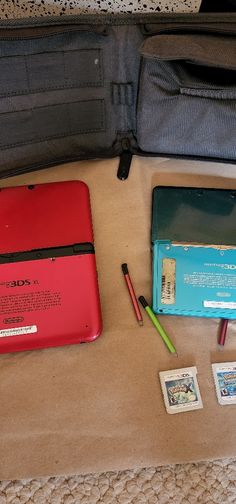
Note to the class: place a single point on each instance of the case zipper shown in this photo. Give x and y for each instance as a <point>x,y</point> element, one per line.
<point>11,34</point>
<point>121,19</point>
<point>125,160</point>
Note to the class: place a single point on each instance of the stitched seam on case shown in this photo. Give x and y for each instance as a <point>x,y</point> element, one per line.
<point>77,83</point>
<point>16,56</point>
<point>51,137</point>
<point>213,93</point>
<point>61,135</point>
<point>100,70</point>
<point>51,105</point>
<point>54,34</point>
<point>38,90</point>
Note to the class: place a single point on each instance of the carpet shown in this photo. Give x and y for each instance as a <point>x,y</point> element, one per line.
<point>212,482</point>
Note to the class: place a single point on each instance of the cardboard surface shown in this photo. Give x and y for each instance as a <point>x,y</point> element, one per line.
<point>99,406</point>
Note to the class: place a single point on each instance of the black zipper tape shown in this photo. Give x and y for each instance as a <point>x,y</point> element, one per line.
<point>14,172</point>
<point>124,164</point>
<point>47,253</point>
<point>120,19</point>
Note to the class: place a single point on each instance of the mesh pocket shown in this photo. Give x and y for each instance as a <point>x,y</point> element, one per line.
<point>187,96</point>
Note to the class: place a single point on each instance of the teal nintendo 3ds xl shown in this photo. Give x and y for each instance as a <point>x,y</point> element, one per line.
<point>194,251</point>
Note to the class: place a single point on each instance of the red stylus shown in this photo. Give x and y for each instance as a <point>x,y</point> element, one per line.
<point>223,331</point>
<point>132,294</point>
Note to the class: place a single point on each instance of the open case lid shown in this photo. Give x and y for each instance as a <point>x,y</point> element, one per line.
<point>44,215</point>
<point>194,215</point>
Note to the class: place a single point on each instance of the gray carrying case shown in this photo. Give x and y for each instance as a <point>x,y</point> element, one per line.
<point>88,86</point>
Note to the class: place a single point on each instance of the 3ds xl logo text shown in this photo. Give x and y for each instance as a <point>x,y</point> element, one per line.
<point>19,283</point>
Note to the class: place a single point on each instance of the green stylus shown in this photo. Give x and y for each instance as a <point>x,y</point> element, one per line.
<point>158,325</point>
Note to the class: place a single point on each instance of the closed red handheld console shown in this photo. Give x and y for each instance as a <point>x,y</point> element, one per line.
<point>48,279</point>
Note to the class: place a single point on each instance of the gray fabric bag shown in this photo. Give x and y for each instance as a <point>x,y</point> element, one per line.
<point>88,86</point>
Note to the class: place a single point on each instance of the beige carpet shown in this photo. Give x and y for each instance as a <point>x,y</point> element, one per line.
<point>212,483</point>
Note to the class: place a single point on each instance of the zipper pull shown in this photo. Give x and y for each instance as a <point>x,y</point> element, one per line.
<point>125,160</point>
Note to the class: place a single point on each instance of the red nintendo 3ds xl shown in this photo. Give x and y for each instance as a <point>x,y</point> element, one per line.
<point>48,280</point>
